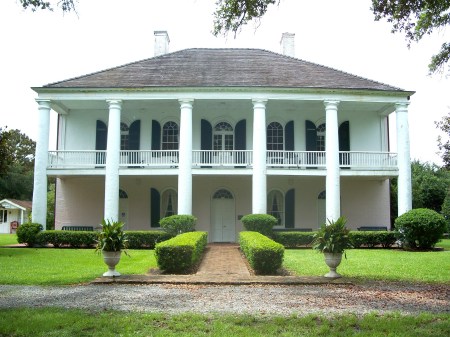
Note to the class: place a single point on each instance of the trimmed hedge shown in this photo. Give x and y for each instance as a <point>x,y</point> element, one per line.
<point>88,239</point>
<point>181,254</point>
<point>264,255</point>
<point>371,239</point>
<point>358,239</point>
<point>72,239</point>
<point>145,239</point>
<point>293,239</point>
<point>261,223</point>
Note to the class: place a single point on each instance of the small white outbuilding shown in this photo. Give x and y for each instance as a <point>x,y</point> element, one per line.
<point>13,213</point>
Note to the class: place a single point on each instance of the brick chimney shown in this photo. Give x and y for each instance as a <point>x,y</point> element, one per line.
<point>161,42</point>
<point>288,44</point>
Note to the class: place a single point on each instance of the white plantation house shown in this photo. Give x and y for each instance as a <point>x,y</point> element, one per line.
<point>221,133</point>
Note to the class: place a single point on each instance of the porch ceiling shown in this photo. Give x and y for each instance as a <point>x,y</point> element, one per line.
<point>223,105</point>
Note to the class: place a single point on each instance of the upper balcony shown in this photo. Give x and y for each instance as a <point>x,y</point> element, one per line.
<point>209,159</point>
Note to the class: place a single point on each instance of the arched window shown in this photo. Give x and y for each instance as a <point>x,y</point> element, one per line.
<point>169,203</point>
<point>124,136</point>
<point>275,206</point>
<point>170,135</point>
<point>223,194</point>
<point>275,139</point>
<point>223,137</point>
<point>123,194</point>
<point>320,139</point>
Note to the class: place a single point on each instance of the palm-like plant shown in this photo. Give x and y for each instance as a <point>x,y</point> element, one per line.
<point>332,237</point>
<point>112,238</point>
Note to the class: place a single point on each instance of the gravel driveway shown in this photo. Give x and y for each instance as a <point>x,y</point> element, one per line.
<point>255,299</point>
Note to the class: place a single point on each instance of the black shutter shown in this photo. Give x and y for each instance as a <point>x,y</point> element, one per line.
<point>240,135</point>
<point>311,136</point>
<point>156,135</point>
<point>289,136</point>
<point>289,209</point>
<point>135,135</point>
<point>134,142</point>
<point>344,142</point>
<point>206,139</point>
<point>311,141</point>
<point>155,205</point>
<point>101,135</point>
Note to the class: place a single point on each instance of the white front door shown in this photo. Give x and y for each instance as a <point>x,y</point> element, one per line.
<point>223,217</point>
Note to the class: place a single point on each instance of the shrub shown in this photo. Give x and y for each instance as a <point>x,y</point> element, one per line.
<point>293,239</point>
<point>182,253</point>
<point>178,224</point>
<point>420,228</point>
<point>372,239</point>
<point>74,239</point>
<point>264,255</point>
<point>145,239</point>
<point>261,223</point>
<point>27,233</point>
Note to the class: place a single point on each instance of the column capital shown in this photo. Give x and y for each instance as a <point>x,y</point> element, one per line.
<point>114,103</point>
<point>331,103</point>
<point>186,102</point>
<point>43,103</point>
<point>259,102</point>
<point>401,106</point>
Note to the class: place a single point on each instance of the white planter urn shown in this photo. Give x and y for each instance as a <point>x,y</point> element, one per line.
<point>333,260</point>
<point>111,259</point>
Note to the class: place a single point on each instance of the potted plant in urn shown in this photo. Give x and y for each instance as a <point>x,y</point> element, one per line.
<point>332,240</point>
<point>112,241</point>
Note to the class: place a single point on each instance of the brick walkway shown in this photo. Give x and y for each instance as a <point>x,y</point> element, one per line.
<point>222,264</point>
<point>224,260</point>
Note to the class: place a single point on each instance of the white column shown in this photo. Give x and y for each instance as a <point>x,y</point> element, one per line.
<point>333,186</point>
<point>404,192</point>
<point>185,158</point>
<point>111,211</point>
<point>259,183</point>
<point>39,214</point>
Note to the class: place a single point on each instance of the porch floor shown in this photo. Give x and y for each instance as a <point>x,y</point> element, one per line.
<point>222,264</point>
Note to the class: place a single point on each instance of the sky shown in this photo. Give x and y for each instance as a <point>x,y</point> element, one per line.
<point>44,47</point>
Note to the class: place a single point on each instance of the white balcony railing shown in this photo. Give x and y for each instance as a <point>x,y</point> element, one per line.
<point>300,159</point>
<point>217,158</point>
<point>362,160</point>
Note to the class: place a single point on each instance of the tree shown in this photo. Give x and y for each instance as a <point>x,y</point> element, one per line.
<point>417,18</point>
<point>231,15</point>
<point>444,146</point>
<point>17,162</point>
<point>34,5</point>
<point>430,185</point>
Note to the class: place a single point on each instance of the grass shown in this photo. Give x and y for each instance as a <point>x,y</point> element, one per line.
<point>376,264</point>
<point>8,239</point>
<point>32,266</point>
<point>48,266</point>
<point>62,322</point>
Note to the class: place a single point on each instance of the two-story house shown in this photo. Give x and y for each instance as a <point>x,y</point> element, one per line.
<point>220,133</point>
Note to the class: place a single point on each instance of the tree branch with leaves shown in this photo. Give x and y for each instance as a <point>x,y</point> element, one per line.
<point>417,18</point>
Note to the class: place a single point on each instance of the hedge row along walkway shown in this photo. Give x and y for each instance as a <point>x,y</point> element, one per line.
<point>222,264</point>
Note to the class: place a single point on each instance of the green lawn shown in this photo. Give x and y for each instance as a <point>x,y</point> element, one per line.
<point>61,322</point>
<point>8,239</point>
<point>49,266</point>
<point>376,264</point>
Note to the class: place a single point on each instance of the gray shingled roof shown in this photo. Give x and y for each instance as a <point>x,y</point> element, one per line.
<point>222,68</point>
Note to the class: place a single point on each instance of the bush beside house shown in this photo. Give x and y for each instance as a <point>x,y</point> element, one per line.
<point>420,228</point>
<point>261,223</point>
